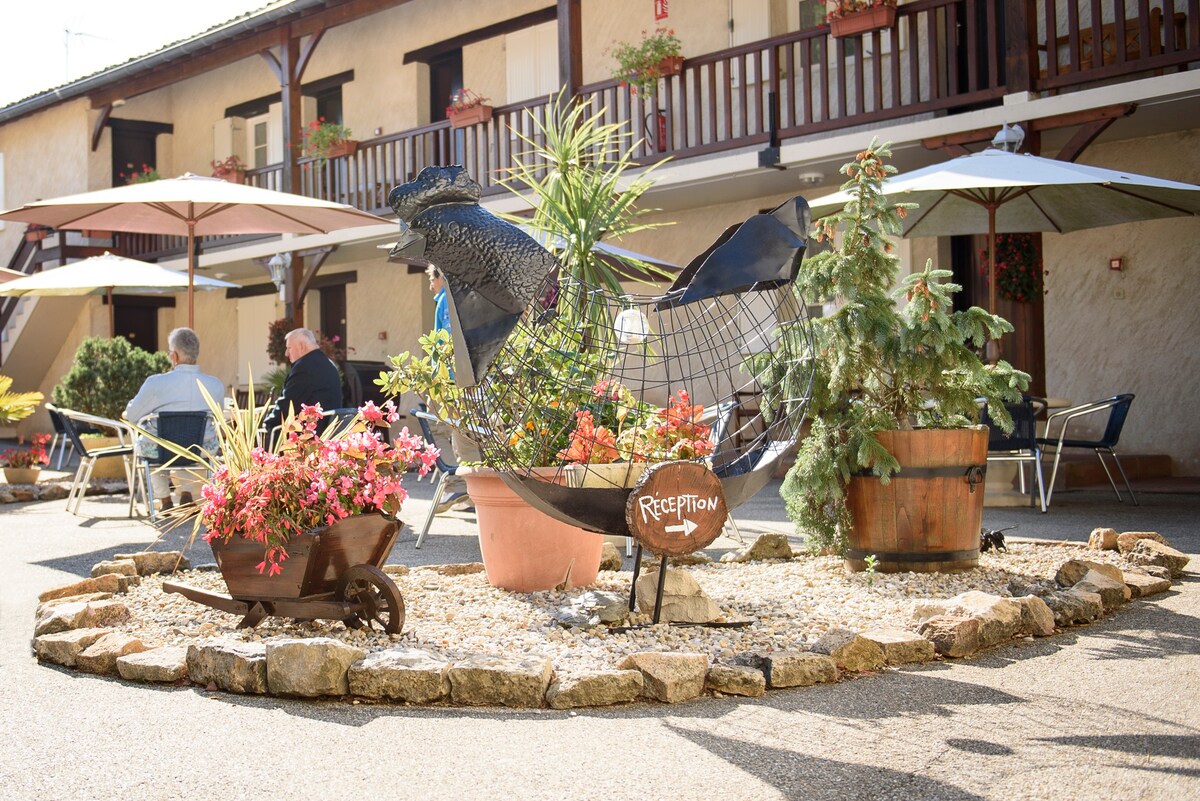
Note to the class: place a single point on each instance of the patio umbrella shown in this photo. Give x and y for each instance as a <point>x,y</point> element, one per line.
<point>191,206</point>
<point>108,275</point>
<point>998,192</point>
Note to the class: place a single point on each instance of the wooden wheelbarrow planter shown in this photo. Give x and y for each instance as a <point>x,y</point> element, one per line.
<point>331,573</point>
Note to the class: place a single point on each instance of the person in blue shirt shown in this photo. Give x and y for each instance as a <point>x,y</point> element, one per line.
<point>441,305</point>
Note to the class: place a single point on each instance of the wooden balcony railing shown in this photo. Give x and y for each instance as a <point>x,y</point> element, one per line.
<point>941,56</point>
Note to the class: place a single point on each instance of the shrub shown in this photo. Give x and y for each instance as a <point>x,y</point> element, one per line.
<point>105,376</point>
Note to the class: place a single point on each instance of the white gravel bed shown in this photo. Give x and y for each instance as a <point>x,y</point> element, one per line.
<point>787,604</point>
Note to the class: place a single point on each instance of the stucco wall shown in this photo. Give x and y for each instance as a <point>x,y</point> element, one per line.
<point>1137,330</point>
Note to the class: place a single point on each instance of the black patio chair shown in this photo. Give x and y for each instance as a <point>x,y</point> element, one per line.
<point>72,422</point>
<point>185,429</point>
<point>1118,411</point>
<point>1021,445</point>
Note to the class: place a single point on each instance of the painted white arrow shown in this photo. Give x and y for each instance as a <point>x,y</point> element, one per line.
<point>686,528</point>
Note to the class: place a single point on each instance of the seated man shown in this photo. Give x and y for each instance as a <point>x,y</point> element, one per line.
<point>313,379</point>
<point>176,391</point>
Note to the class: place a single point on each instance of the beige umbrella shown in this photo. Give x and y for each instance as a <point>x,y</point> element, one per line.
<point>108,275</point>
<point>191,206</point>
<point>998,192</point>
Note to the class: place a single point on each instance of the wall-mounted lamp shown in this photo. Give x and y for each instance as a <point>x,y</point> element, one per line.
<point>1009,138</point>
<point>279,265</point>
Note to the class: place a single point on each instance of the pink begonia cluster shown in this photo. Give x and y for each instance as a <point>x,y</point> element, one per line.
<point>313,482</point>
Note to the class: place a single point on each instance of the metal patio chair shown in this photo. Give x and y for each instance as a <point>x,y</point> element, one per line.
<point>445,468</point>
<point>185,429</point>
<point>1021,445</point>
<point>1118,411</point>
<point>72,422</point>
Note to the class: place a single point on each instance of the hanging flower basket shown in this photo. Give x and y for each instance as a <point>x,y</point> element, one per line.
<point>671,65</point>
<point>860,22</point>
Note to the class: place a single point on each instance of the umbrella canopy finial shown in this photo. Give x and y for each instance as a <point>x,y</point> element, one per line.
<point>1009,138</point>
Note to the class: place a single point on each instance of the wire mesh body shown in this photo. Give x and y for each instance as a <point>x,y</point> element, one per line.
<point>601,386</point>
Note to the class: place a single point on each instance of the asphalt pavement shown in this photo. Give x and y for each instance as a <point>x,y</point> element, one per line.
<point>1108,710</point>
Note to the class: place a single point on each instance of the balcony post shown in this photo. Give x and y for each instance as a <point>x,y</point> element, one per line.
<point>1020,37</point>
<point>570,46</point>
<point>289,52</point>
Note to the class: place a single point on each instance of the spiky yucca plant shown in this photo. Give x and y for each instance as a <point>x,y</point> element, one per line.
<point>880,366</point>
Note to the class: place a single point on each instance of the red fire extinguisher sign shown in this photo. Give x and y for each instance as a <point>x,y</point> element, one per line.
<point>660,9</point>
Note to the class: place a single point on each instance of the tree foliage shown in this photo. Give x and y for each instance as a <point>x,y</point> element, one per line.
<point>882,365</point>
<point>105,376</point>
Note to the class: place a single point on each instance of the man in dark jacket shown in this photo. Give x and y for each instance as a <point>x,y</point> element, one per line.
<point>312,380</point>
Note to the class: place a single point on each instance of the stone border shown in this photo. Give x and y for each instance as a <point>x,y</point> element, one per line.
<point>57,490</point>
<point>73,629</point>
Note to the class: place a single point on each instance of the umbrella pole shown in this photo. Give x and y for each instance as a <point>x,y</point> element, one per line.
<point>112,319</point>
<point>191,274</point>
<point>992,351</point>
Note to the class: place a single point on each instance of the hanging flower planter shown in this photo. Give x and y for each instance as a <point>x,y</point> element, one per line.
<point>467,108</point>
<point>860,22</point>
<point>346,147</point>
<point>671,65</point>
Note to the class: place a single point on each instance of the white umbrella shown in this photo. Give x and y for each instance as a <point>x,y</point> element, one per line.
<point>191,206</point>
<point>108,275</point>
<point>995,191</point>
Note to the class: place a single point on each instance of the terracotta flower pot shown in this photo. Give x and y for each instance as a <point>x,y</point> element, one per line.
<point>872,19</point>
<point>671,65</point>
<point>22,475</point>
<point>523,549</point>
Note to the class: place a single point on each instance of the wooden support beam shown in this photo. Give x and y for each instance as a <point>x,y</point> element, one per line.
<point>1082,138</point>
<point>570,46</point>
<point>984,135</point>
<point>98,128</point>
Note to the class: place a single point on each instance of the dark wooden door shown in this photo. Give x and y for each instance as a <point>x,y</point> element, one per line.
<point>1025,347</point>
<point>445,79</point>
<point>133,147</point>
<point>136,322</point>
<point>333,313</point>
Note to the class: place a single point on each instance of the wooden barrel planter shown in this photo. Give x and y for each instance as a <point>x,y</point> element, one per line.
<point>927,518</point>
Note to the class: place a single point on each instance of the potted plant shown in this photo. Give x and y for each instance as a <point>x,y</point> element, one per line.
<point>231,169</point>
<point>103,378</point>
<point>21,465</point>
<point>854,17</point>
<point>327,140</point>
<point>1018,267</point>
<point>892,468</point>
<point>641,64</point>
<point>467,108</point>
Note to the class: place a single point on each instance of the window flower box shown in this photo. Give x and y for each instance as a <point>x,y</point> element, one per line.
<point>860,22</point>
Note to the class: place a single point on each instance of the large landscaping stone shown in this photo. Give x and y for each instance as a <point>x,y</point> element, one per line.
<point>107,583</point>
<point>101,656</point>
<point>792,669</point>
<point>150,562</point>
<point>1113,592</point>
<point>767,546</point>
<point>682,602</point>
<point>507,681</point>
<point>1143,584</point>
<point>1036,617</point>
<point>401,674</point>
<point>999,618</point>
<point>310,667</point>
<point>850,650</point>
<point>1073,570</point>
<point>229,665</point>
<point>952,636</point>
<point>1152,552</point>
<point>80,615</point>
<point>167,664</point>
<point>610,557</point>
<point>900,646</point>
<point>1074,607</point>
<point>736,680</point>
<point>62,648</point>
<point>119,567</point>
<point>44,607</point>
<point>1128,540</point>
<point>1103,539</point>
<point>595,688</point>
<point>669,677</point>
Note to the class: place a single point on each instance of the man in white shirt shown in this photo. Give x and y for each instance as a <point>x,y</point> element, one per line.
<point>176,391</point>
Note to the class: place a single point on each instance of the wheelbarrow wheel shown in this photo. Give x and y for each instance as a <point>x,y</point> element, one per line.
<point>375,599</point>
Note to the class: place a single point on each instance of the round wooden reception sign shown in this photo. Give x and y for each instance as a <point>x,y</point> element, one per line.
<point>676,508</point>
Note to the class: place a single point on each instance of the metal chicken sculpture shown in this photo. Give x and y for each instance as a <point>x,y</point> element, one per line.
<point>724,355</point>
